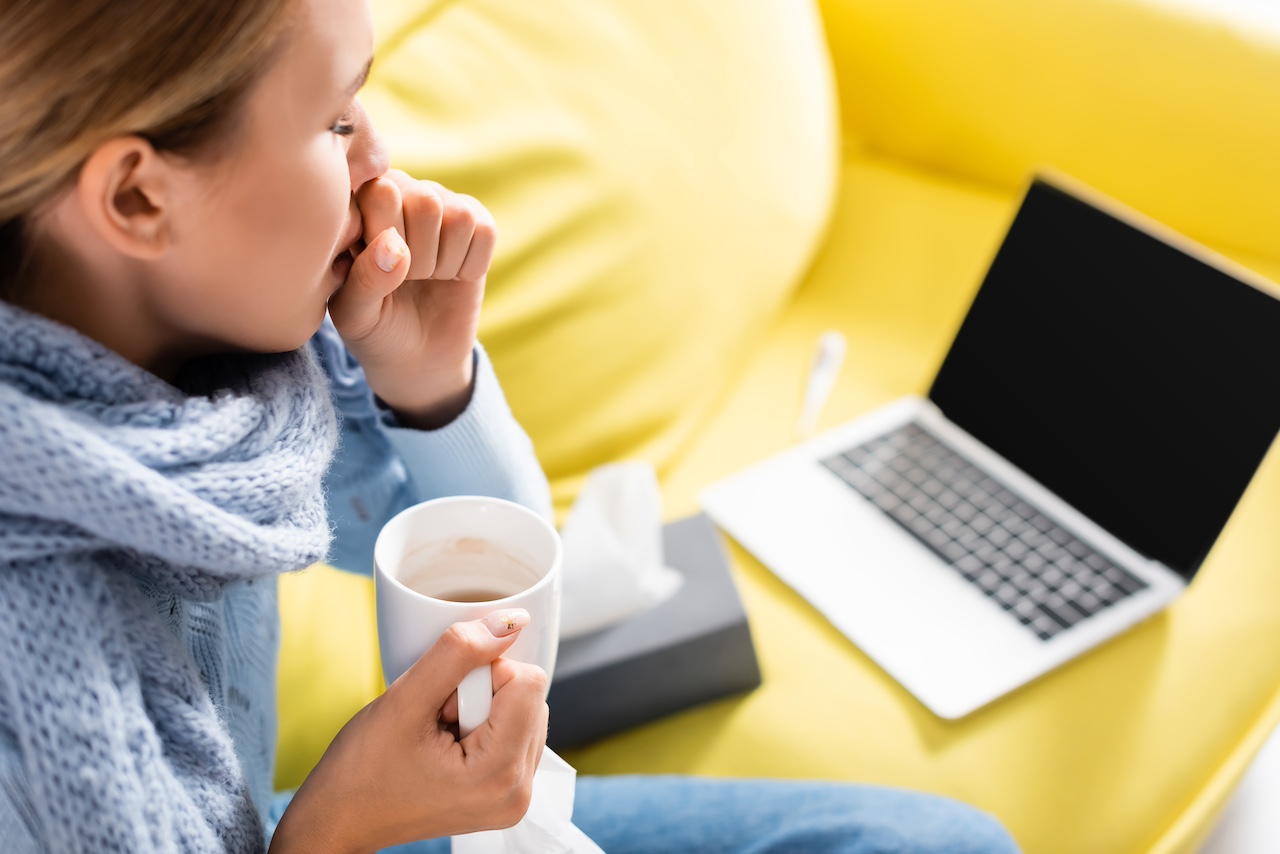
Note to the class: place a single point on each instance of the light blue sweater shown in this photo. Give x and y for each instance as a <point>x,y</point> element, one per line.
<point>380,468</point>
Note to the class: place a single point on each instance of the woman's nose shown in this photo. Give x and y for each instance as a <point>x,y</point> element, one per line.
<point>367,157</point>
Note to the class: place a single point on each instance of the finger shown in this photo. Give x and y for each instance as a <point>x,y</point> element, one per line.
<point>517,725</point>
<point>483,240</point>
<point>462,648</point>
<point>356,307</point>
<point>539,740</point>
<point>380,207</point>
<point>456,230</point>
<point>422,205</point>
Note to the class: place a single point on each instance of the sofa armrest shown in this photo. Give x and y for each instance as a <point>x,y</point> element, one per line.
<point>1168,109</point>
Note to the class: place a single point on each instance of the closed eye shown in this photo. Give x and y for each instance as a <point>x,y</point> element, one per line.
<point>345,125</point>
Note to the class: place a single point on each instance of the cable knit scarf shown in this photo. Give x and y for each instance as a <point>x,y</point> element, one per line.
<point>112,480</point>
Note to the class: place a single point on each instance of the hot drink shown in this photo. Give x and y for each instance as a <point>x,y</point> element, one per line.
<point>467,569</point>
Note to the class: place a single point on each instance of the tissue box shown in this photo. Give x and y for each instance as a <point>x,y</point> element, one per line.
<point>689,649</point>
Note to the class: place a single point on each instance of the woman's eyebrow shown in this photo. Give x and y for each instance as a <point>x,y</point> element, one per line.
<point>360,78</point>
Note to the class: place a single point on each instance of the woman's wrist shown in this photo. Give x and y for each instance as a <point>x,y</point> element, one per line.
<point>452,394</point>
<point>311,828</point>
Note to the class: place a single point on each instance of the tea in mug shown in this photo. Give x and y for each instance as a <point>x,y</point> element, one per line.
<point>468,569</point>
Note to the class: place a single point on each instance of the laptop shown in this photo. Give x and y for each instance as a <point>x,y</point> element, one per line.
<point>1101,410</point>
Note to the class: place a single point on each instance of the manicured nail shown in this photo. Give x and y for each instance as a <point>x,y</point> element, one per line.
<point>389,250</point>
<point>508,622</point>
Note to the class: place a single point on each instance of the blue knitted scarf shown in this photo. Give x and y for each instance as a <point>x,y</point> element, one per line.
<point>113,481</point>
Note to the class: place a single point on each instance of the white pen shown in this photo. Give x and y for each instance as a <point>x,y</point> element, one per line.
<point>828,357</point>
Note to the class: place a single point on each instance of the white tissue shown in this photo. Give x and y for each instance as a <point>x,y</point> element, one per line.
<point>546,827</point>
<point>613,559</point>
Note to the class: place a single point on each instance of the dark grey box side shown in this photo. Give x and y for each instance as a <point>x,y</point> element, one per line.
<point>690,649</point>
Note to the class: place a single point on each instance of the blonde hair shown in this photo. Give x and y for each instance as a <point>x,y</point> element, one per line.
<point>76,73</point>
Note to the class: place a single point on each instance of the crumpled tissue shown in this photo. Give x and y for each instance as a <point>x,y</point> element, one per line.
<point>547,828</point>
<point>613,557</point>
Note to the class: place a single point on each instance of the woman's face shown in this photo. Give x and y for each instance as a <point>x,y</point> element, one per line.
<point>260,234</point>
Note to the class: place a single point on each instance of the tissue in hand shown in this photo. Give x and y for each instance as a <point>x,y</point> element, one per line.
<point>546,828</point>
<point>613,560</point>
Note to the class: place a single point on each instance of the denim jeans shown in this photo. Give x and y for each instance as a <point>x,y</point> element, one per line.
<point>693,815</point>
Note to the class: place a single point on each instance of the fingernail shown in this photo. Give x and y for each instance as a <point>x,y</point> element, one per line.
<point>389,250</point>
<point>508,622</point>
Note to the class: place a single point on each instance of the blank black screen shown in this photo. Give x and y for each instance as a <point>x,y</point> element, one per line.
<point>1139,383</point>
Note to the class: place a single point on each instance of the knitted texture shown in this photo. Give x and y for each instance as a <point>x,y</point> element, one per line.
<point>112,481</point>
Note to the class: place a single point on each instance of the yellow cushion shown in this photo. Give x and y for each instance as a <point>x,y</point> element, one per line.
<point>660,173</point>
<point>1144,99</point>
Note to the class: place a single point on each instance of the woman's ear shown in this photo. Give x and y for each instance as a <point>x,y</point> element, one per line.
<point>125,193</point>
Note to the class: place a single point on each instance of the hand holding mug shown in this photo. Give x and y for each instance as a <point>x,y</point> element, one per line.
<point>396,773</point>
<point>468,598</point>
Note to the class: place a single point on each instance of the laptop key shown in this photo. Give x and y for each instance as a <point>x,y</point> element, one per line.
<point>1078,549</point>
<point>1045,626</point>
<point>1022,579</point>
<point>1007,595</point>
<point>1025,608</point>
<point>1131,584</point>
<point>921,527</point>
<point>936,537</point>
<point>1070,589</point>
<point>1003,562</point>
<point>1088,603</point>
<point>1037,591</point>
<point>1107,593</point>
<point>954,552</point>
<point>1064,618</point>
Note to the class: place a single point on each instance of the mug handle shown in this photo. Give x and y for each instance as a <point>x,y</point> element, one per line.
<point>475,698</point>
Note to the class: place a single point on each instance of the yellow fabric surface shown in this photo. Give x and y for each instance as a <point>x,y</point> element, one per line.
<point>1129,748</point>
<point>1107,754</point>
<point>1169,109</point>
<point>329,665</point>
<point>638,308</point>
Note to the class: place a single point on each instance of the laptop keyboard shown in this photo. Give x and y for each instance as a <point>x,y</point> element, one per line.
<point>1030,566</point>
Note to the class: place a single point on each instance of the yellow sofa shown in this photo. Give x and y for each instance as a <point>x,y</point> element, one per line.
<point>687,195</point>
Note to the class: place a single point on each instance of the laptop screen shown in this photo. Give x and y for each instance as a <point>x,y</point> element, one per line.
<point>1139,383</point>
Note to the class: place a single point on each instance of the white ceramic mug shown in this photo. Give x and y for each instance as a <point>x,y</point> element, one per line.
<point>456,527</point>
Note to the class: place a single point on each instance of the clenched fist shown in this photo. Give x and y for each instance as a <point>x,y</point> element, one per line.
<point>410,306</point>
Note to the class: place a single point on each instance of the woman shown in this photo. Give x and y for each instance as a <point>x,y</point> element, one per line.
<point>189,188</point>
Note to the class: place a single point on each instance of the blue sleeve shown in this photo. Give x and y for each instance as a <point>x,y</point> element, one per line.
<point>381,468</point>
